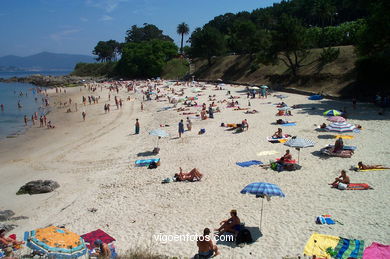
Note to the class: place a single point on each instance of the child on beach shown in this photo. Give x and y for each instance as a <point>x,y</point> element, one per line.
<point>136,126</point>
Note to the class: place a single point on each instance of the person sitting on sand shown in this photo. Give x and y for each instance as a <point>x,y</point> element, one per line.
<point>193,175</point>
<point>101,249</point>
<point>206,248</point>
<point>7,241</point>
<point>278,134</point>
<point>343,178</point>
<point>338,145</point>
<point>362,166</point>
<point>323,126</point>
<point>229,225</point>
<point>287,156</point>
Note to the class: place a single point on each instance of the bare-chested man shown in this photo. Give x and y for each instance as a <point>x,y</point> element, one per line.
<point>205,245</point>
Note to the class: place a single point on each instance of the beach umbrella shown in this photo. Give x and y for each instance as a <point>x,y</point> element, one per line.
<point>299,143</point>
<point>159,133</point>
<point>340,127</point>
<point>332,113</point>
<point>56,242</point>
<point>197,90</point>
<point>286,108</point>
<point>262,190</point>
<point>336,119</point>
<point>264,87</point>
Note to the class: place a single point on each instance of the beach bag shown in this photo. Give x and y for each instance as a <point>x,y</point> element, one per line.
<point>244,236</point>
<point>152,165</point>
<point>320,220</point>
<point>342,186</point>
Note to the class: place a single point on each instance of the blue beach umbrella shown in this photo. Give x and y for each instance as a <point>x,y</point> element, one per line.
<point>262,190</point>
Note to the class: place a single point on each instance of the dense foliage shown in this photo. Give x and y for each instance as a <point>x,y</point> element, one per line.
<point>145,59</point>
<point>95,69</point>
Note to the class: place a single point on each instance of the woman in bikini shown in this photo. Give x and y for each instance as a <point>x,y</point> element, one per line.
<point>362,166</point>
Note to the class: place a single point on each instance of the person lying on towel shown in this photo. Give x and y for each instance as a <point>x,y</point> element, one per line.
<point>193,175</point>
<point>251,112</point>
<point>362,166</point>
<point>343,178</point>
<point>278,134</point>
<point>230,225</point>
<point>280,121</point>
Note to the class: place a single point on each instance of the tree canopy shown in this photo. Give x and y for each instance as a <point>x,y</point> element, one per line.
<point>146,33</point>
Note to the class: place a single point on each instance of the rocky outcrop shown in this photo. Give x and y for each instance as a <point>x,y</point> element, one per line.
<point>40,186</point>
<point>52,81</point>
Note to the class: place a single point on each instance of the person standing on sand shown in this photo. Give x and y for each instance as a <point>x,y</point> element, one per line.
<point>44,120</point>
<point>33,119</point>
<point>25,120</point>
<point>84,115</point>
<point>181,128</point>
<point>189,124</point>
<point>142,106</point>
<point>2,107</point>
<point>136,126</point>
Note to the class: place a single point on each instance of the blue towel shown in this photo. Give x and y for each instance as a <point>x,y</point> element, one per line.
<point>288,124</point>
<point>146,162</point>
<point>329,221</point>
<point>249,163</point>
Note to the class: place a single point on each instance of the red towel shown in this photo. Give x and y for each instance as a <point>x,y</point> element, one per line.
<point>358,186</point>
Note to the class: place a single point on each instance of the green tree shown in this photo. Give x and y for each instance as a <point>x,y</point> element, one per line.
<point>145,59</point>
<point>207,42</point>
<point>182,29</point>
<point>106,50</point>
<point>289,41</point>
<point>325,11</point>
<point>146,33</point>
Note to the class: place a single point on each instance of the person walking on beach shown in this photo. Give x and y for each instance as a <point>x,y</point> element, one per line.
<point>142,106</point>
<point>189,124</point>
<point>33,119</point>
<point>44,120</point>
<point>83,114</point>
<point>181,128</point>
<point>41,122</point>
<point>136,126</point>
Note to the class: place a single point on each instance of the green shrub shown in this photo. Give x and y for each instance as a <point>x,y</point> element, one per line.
<point>329,55</point>
<point>95,69</point>
<point>176,68</point>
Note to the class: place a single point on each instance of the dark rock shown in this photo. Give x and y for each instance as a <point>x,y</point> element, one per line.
<point>35,187</point>
<point>6,215</point>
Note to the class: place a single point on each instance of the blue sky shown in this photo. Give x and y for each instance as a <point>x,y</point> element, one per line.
<point>75,26</point>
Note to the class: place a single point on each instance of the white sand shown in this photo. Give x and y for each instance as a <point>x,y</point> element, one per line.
<point>94,163</point>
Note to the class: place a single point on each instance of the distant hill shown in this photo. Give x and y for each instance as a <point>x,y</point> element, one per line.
<point>43,61</point>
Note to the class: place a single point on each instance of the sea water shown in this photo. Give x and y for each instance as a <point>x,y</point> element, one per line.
<point>12,117</point>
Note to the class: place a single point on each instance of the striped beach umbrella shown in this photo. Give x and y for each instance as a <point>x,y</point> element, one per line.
<point>332,113</point>
<point>285,108</point>
<point>262,190</point>
<point>56,242</point>
<point>340,127</point>
<point>299,143</point>
<point>336,119</point>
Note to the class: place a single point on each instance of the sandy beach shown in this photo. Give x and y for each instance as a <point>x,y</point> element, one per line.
<point>93,161</point>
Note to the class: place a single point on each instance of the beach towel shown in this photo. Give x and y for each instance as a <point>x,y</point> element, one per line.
<point>319,243</point>
<point>353,148</point>
<point>146,162</point>
<point>288,161</point>
<point>358,186</point>
<point>377,251</point>
<point>249,163</point>
<point>373,169</point>
<point>349,248</point>
<point>344,136</point>
<point>90,237</point>
<point>266,153</point>
<point>288,124</point>
<point>325,219</point>
<point>276,140</point>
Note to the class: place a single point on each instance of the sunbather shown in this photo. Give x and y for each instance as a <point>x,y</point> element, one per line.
<point>338,145</point>
<point>251,112</point>
<point>278,134</point>
<point>205,244</point>
<point>193,175</point>
<point>287,156</point>
<point>101,249</point>
<point>362,166</point>
<point>343,178</point>
<point>230,225</point>
<point>323,126</point>
<point>7,241</point>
